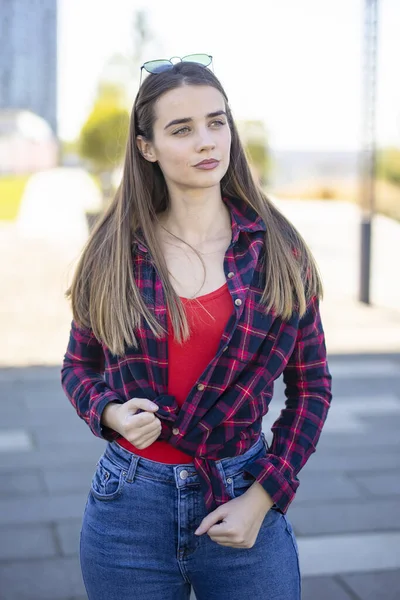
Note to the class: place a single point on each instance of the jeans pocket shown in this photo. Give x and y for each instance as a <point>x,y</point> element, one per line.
<point>290,531</point>
<point>108,480</point>
<point>240,483</point>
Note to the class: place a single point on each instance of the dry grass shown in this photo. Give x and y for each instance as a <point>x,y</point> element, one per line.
<point>387,195</point>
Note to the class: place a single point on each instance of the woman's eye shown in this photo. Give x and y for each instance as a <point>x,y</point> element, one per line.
<point>182,130</point>
<point>218,123</point>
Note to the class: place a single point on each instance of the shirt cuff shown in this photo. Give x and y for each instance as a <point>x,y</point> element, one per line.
<point>100,430</point>
<point>281,491</point>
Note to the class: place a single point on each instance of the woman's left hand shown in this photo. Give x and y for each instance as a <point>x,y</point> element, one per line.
<point>241,519</point>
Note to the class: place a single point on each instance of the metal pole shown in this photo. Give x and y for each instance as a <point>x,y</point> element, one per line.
<point>368,157</point>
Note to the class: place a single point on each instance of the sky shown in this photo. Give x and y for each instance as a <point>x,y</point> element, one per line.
<point>294,64</point>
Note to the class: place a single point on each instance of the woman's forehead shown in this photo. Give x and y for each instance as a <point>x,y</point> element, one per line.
<point>195,100</point>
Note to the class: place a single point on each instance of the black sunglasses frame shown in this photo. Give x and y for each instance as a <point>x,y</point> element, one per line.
<point>145,65</point>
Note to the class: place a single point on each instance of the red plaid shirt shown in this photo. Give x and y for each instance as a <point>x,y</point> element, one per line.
<point>222,415</point>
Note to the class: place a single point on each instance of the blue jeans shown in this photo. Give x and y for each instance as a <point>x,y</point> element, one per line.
<point>138,542</point>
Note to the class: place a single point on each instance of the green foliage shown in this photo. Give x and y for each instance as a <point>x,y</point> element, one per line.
<point>254,138</point>
<point>388,165</point>
<point>103,137</point>
<point>11,191</point>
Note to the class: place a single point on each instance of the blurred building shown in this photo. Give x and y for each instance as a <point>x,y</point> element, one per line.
<point>28,57</point>
<point>27,143</point>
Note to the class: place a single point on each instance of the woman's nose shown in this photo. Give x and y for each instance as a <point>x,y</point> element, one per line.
<point>205,140</point>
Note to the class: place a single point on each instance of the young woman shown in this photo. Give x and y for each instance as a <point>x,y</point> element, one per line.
<point>192,295</point>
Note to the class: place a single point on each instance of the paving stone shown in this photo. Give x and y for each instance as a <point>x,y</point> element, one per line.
<point>380,484</point>
<point>78,433</point>
<point>68,534</point>
<point>42,509</point>
<point>62,455</point>
<point>345,517</point>
<point>383,422</point>
<point>15,440</point>
<point>53,415</point>
<point>348,553</point>
<point>10,418</point>
<point>51,579</point>
<point>390,439</point>
<point>27,541</point>
<point>20,484</point>
<point>27,375</point>
<point>69,479</point>
<point>365,367</point>
<point>384,585</point>
<point>31,392</point>
<point>326,588</point>
<point>369,387</point>
<point>317,487</point>
<point>357,460</point>
<point>43,397</point>
<point>10,404</point>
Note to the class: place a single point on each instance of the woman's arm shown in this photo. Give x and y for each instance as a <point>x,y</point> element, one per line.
<point>83,383</point>
<point>297,430</point>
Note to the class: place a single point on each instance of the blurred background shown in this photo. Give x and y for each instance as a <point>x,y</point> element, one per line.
<point>313,88</point>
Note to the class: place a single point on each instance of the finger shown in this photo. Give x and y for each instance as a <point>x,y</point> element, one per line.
<point>143,403</point>
<point>217,515</point>
<point>225,539</point>
<point>145,430</point>
<point>147,441</point>
<point>228,544</point>
<point>142,419</point>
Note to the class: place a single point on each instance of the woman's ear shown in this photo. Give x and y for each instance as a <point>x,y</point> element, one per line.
<point>146,149</point>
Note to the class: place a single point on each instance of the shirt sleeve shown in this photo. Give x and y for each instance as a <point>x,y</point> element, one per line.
<point>308,396</point>
<point>83,382</point>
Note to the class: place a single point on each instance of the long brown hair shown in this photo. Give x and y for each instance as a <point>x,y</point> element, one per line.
<point>104,294</point>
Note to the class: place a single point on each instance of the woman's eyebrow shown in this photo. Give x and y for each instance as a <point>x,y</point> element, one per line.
<point>189,119</point>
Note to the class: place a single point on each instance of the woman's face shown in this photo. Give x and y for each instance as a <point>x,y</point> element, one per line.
<point>191,126</point>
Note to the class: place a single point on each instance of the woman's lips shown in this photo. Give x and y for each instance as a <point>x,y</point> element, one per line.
<point>207,165</point>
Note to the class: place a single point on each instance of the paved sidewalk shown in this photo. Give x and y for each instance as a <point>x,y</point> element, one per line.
<point>346,514</point>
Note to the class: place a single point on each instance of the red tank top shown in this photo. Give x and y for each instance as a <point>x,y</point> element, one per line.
<point>207,317</point>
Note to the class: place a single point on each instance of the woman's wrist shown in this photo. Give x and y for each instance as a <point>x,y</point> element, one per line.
<point>108,415</point>
<point>262,495</point>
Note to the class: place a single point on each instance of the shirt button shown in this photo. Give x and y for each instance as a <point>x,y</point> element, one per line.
<point>201,387</point>
<point>175,431</point>
<point>238,302</point>
<point>231,274</point>
<point>183,474</point>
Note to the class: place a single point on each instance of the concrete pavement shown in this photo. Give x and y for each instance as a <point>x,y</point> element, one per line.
<point>345,515</point>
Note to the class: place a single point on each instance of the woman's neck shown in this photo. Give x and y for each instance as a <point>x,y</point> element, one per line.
<point>196,222</point>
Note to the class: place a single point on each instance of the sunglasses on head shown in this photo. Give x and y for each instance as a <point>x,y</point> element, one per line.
<point>162,64</point>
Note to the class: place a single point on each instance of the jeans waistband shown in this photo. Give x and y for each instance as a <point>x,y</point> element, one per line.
<point>134,464</point>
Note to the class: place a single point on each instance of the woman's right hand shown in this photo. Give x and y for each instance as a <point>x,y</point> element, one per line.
<point>141,429</point>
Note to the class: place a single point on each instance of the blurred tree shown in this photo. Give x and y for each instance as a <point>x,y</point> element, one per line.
<point>255,141</point>
<point>103,137</point>
<point>388,165</point>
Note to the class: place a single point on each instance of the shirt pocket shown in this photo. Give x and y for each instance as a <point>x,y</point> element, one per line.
<point>108,480</point>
